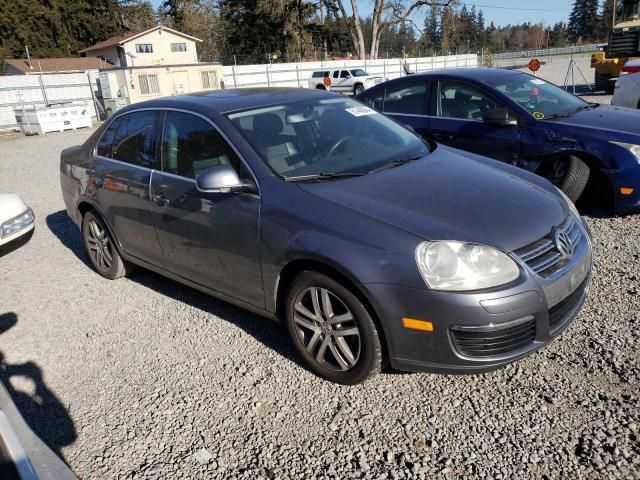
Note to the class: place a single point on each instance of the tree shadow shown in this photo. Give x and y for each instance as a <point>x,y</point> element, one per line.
<point>270,333</point>
<point>42,410</point>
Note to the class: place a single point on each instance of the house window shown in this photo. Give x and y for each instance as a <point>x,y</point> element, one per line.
<point>144,48</point>
<point>148,84</point>
<point>178,47</point>
<point>209,80</point>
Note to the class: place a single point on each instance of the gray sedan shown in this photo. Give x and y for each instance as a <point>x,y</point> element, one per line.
<point>372,245</point>
<point>627,90</point>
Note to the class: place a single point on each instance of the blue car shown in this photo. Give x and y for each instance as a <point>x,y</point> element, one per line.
<point>523,120</point>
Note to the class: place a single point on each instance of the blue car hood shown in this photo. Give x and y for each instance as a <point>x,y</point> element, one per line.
<point>448,195</point>
<point>606,118</point>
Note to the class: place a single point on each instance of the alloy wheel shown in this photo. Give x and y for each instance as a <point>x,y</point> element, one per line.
<point>100,247</point>
<point>327,329</point>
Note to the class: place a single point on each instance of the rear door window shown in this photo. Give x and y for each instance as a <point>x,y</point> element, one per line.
<point>406,98</point>
<point>134,142</point>
<point>192,145</point>
<point>105,145</point>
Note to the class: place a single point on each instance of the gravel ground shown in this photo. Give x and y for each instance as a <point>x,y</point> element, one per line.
<point>144,378</point>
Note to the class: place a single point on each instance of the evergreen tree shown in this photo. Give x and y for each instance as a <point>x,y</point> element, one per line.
<point>583,21</point>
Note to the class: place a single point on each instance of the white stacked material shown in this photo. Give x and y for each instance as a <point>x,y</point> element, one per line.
<point>56,118</point>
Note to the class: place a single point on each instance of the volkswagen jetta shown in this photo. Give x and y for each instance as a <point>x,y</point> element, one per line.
<point>372,245</point>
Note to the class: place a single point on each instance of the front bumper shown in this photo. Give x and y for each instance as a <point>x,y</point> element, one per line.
<point>479,332</point>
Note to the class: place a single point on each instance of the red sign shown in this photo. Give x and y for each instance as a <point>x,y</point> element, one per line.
<point>534,65</point>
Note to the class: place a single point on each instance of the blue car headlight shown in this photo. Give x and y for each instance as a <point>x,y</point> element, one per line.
<point>17,223</point>
<point>631,148</point>
<point>460,266</point>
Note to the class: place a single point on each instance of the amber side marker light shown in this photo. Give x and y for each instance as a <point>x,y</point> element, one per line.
<point>414,324</point>
<point>626,190</point>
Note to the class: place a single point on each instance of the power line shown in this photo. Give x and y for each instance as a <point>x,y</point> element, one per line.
<point>516,8</point>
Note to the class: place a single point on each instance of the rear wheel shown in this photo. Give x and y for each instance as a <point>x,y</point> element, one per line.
<point>332,330</point>
<point>570,175</point>
<point>102,249</point>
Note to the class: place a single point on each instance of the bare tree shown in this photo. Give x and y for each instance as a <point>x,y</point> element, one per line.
<point>386,13</point>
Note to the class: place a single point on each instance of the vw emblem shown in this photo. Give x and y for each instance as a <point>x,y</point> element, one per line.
<point>563,244</point>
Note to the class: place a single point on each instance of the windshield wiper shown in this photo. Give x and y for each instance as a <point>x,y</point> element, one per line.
<point>323,176</point>
<point>395,163</point>
<point>573,112</point>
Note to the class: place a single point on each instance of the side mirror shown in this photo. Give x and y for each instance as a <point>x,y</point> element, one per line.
<point>498,117</point>
<point>223,179</point>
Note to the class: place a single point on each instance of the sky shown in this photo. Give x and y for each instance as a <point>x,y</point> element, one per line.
<point>500,12</point>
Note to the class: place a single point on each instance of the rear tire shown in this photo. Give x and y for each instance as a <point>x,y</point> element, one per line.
<point>320,87</point>
<point>102,249</point>
<point>570,175</point>
<point>332,330</point>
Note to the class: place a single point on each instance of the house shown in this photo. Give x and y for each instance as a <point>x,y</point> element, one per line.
<point>20,66</point>
<point>156,46</point>
<point>153,63</point>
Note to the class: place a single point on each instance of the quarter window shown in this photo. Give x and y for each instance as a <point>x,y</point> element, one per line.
<point>178,47</point>
<point>209,80</point>
<point>406,99</point>
<point>191,145</point>
<point>134,141</point>
<point>335,74</point>
<point>148,84</point>
<point>144,48</point>
<point>459,100</point>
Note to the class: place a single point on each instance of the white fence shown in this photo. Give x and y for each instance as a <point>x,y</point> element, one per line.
<point>25,91</point>
<point>297,74</point>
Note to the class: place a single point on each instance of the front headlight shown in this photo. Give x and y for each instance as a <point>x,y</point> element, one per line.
<point>17,223</point>
<point>367,80</point>
<point>459,266</point>
<point>570,204</point>
<point>632,148</point>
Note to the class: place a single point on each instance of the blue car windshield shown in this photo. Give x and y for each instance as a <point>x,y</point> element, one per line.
<point>326,136</point>
<point>541,99</point>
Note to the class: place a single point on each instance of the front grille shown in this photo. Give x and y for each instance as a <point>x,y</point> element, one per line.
<point>624,43</point>
<point>493,342</point>
<point>559,312</point>
<point>543,257</point>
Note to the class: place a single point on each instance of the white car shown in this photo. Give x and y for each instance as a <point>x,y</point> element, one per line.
<point>16,221</point>
<point>344,80</point>
<point>627,90</point>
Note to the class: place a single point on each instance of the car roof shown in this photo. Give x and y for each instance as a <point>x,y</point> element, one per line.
<point>480,74</point>
<point>228,100</point>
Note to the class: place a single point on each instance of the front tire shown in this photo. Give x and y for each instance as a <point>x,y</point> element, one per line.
<point>102,249</point>
<point>332,330</point>
<point>570,175</point>
<point>358,89</point>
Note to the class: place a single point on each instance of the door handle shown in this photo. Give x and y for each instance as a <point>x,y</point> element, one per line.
<point>160,199</point>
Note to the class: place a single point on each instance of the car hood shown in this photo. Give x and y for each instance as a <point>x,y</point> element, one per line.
<point>11,205</point>
<point>449,196</point>
<point>605,118</point>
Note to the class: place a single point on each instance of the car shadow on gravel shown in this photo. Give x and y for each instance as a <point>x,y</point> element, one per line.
<point>271,334</point>
<point>268,332</point>
<point>69,235</point>
<point>42,410</point>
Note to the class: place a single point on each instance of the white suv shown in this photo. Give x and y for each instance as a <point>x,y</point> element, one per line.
<point>345,80</point>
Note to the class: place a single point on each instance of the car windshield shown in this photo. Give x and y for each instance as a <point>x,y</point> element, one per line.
<point>326,137</point>
<point>358,72</point>
<point>541,99</point>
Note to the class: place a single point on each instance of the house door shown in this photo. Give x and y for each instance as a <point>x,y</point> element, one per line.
<point>180,82</point>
